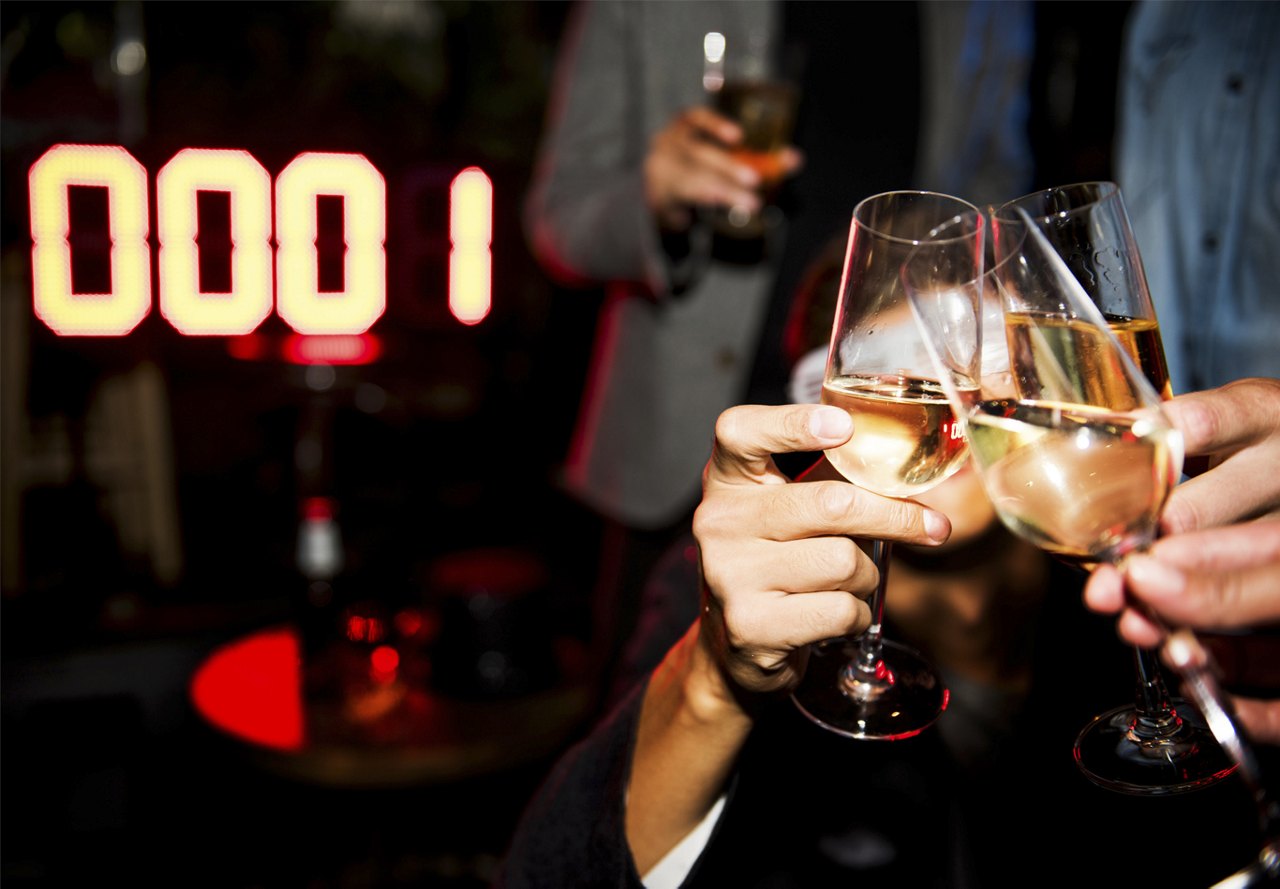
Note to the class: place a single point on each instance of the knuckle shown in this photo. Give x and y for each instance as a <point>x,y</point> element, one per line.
<point>1181,514</point>
<point>836,560</point>
<point>739,626</point>
<point>835,501</point>
<point>1256,393</point>
<point>762,659</point>
<point>716,579</point>
<point>1203,423</point>
<point>795,423</point>
<point>1225,595</point>
<point>706,519</point>
<point>722,518</point>
<point>730,427</point>
<point>849,558</point>
<point>866,577</point>
<point>907,516</point>
<point>817,623</point>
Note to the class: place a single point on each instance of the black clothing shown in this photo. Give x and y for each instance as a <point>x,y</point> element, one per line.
<point>810,808</point>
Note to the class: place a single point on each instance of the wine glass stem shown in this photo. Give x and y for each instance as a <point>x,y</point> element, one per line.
<point>1156,718</point>
<point>1156,723</point>
<point>868,668</point>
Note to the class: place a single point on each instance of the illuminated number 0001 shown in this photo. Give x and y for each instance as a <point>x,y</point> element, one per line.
<point>300,302</point>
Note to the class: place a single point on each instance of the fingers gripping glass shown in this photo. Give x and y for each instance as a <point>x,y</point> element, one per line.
<point>1078,457</point>
<point>1086,228</point>
<point>905,441</point>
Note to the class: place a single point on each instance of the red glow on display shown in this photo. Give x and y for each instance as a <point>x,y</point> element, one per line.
<point>252,689</point>
<point>250,347</point>
<point>344,350</point>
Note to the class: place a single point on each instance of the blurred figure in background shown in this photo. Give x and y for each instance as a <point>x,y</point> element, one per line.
<point>1198,157</point>
<point>633,164</point>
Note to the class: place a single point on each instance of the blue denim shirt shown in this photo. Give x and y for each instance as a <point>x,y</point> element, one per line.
<point>1198,160</point>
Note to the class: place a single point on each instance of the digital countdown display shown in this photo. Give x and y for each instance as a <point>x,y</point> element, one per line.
<point>277,262</point>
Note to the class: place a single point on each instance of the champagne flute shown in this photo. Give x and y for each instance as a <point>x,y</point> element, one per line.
<point>1087,226</point>
<point>905,441</point>
<point>1077,456</point>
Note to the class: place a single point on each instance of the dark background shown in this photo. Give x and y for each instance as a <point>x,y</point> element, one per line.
<point>448,444</point>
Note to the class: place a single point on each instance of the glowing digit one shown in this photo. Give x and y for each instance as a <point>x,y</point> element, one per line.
<point>471,233</point>
<point>181,301</point>
<point>364,296</point>
<point>89,314</point>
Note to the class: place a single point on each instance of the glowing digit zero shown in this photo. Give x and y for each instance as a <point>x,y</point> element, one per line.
<point>470,234</point>
<point>188,309</point>
<point>364,296</point>
<point>89,314</point>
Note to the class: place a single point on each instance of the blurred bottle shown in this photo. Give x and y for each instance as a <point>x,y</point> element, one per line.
<point>319,560</point>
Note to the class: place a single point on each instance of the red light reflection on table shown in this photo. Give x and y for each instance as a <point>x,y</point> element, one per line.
<point>252,689</point>
<point>386,727</point>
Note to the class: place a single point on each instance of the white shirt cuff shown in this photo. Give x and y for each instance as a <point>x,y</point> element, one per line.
<point>671,871</point>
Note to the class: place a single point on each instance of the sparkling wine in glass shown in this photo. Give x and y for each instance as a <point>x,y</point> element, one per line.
<point>1087,227</point>
<point>905,441</point>
<point>1076,455</point>
<point>1084,480</point>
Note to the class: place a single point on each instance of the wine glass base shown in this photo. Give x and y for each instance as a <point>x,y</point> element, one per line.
<point>1189,760</point>
<point>907,703</point>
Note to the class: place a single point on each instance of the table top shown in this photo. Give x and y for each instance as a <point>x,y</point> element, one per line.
<point>367,730</point>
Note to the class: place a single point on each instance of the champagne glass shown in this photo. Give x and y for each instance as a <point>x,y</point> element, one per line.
<point>905,441</point>
<point>1087,227</point>
<point>1077,456</point>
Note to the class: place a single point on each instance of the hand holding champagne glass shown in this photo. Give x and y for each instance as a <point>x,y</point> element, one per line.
<point>905,441</point>
<point>1076,455</point>
<point>1086,227</point>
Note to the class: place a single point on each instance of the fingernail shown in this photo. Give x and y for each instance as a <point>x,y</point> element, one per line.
<point>1155,576</point>
<point>936,525</point>
<point>830,423</point>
